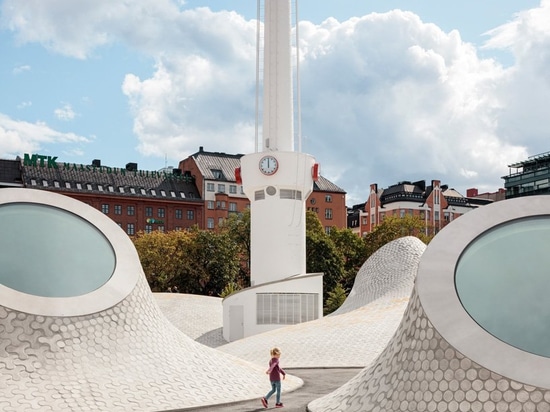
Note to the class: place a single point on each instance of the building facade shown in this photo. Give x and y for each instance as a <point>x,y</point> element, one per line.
<point>214,175</point>
<point>136,200</point>
<point>528,177</point>
<point>437,205</point>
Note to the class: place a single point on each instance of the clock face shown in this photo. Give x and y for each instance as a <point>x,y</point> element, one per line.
<point>268,165</point>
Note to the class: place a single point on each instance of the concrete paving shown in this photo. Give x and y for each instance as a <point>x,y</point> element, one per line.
<point>317,383</point>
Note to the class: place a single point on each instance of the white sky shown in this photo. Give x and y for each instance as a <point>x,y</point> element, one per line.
<point>391,90</point>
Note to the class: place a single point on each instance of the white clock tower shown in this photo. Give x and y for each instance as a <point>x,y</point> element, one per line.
<point>277,180</point>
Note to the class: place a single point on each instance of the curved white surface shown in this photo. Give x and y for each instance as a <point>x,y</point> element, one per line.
<point>121,283</point>
<point>439,298</point>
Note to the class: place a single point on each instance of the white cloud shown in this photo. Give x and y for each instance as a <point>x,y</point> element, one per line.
<point>65,113</point>
<point>21,69</point>
<point>385,97</point>
<point>18,137</point>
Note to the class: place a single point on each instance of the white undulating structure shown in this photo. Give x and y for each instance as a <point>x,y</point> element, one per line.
<point>80,329</point>
<point>277,181</point>
<point>475,334</point>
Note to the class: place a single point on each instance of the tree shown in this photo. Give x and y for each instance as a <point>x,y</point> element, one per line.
<point>393,228</point>
<point>196,261</point>
<point>354,253</point>
<point>321,254</point>
<point>237,226</point>
<point>336,298</point>
<point>161,256</point>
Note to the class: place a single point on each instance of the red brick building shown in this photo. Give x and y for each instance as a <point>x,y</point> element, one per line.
<point>214,175</point>
<point>437,205</point>
<point>136,200</point>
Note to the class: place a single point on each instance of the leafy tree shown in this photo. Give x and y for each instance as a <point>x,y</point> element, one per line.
<point>161,256</point>
<point>354,253</point>
<point>237,226</point>
<point>394,228</point>
<point>336,298</point>
<point>214,262</point>
<point>321,254</point>
<point>196,261</point>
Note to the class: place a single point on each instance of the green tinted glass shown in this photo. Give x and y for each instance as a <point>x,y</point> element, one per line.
<point>46,251</point>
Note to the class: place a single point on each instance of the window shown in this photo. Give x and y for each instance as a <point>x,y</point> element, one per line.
<point>130,229</point>
<point>148,228</point>
<point>210,187</point>
<point>178,214</point>
<point>364,221</point>
<point>190,215</point>
<point>286,308</point>
<point>121,189</point>
<point>210,223</point>
<point>79,186</point>
<point>233,189</point>
<point>210,204</point>
<point>45,183</point>
<point>100,188</point>
<point>131,210</point>
<point>68,185</point>
<point>328,213</point>
<point>328,198</point>
<point>221,188</point>
<point>153,192</point>
<point>160,212</point>
<point>33,182</point>
<point>163,193</point>
<point>436,215</point>
<point>161,229</point>
<point>88,186</point>
<point>220,221</point>
<point>172,193</point>
<point>118,209</point>
<point>218,174</point>
<point>327,230</point>
<point>133,190</point>
<point>232,207</point>
<point>142,191</point>
<point>402,213</point>
<point>111,188</point>
<point>220,204</point>
<point>148,211</point>
<point>105,208</point>
<point>56,183</point>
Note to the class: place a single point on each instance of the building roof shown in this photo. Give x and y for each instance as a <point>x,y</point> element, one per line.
<point>10,173</point>
<point>211,163</point>
<point>324,185</point>
<point>94,178</point>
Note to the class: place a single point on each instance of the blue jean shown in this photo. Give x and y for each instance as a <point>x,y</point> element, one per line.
<point>275,387</point>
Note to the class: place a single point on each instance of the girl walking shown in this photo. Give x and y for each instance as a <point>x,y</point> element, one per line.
<point>275,371</point>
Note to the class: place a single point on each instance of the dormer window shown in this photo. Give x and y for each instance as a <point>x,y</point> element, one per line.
<point>217,174</point>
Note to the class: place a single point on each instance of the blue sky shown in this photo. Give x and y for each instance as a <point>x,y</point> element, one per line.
<point>391,90</point>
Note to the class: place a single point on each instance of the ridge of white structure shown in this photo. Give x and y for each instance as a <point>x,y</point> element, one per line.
<point>277,180</point>
<point>441,358</point>
<point>110,349</point>
<point>352,338</point>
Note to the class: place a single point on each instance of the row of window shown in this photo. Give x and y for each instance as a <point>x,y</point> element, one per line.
<point>221,204</point>
<point>161,212</point>
<point>328,212</point>
<point>131,228</point>
<point>211,187</point>
<point>120,189</point>
<point>328,199</point>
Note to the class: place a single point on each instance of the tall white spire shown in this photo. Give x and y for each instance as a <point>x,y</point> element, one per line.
<point>278,113</point>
